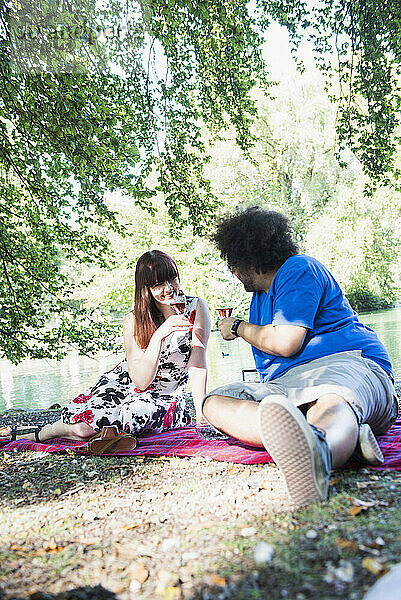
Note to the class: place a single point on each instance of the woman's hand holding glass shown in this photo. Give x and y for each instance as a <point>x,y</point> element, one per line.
<point>173,323</point>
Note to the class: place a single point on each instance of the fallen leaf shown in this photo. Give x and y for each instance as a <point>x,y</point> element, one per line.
<point>360,505</point>
<point>361,485</point>
<point>377,544</point>
<point>138,572</point>
<point>350,544</point>
<point>335,481</point>
<point>129,527</point>
<point>217,580</point>
<point>47,550</point>
<point>355,510</point>
<point>233,470</point>
<point>374,566</point>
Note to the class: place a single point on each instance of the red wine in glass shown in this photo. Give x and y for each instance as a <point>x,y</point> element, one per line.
<point>178,303</point>
<point>225,312</point>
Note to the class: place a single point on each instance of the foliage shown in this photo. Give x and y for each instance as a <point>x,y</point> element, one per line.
<point>58,138</point>
<point>295,169</point>
<point>67,137</point>
<point>357,46</point>
<point>356,236</point>
<point>363,299</point>
<point>97,115</point>
<point>201,270</point>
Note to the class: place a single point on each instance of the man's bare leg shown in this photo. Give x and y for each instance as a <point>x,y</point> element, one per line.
<point>239,418</point>
<point>335,416</point>
<point>74,431</point>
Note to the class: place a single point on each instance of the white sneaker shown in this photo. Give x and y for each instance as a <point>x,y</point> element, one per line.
<point>300,450</point>
<point>367,449</point>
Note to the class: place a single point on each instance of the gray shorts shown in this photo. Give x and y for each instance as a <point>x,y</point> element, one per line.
<point>361,382</point>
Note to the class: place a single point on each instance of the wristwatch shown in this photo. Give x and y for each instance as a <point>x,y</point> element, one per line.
<point>235,325</point>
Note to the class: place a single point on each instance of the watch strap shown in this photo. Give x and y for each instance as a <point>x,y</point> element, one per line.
<point>235,325</point>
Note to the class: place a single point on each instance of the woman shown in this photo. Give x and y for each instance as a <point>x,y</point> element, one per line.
<point>146,391</point>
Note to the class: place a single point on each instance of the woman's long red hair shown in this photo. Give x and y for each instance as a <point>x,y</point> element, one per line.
<point>153,268</point>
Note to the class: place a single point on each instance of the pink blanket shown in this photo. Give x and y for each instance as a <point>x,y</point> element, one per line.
<point>186,442</point>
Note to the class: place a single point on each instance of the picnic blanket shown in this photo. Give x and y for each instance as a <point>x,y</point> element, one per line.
<point>187,442</point>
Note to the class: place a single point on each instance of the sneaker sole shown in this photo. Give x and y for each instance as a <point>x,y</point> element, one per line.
<point>368,446</point>
<point>290,442</point>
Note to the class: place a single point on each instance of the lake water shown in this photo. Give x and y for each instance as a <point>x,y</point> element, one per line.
<point>40,383</point>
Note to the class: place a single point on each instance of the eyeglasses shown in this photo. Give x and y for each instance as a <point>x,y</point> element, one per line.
<point>159,287</point>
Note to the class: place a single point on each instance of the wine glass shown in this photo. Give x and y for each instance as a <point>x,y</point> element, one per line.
<point>178,302</point>
<point>224,312</point>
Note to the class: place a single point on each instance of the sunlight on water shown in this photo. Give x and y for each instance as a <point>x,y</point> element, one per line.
<point>387,324</point>
<point>40,383</point>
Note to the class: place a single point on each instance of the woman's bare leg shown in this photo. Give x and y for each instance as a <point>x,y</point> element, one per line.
<point>74,431</point>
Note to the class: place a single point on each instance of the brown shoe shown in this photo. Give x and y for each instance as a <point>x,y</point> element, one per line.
<point>109,441</point>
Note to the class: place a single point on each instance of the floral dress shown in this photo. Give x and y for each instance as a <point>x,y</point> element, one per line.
<point>114,400</point>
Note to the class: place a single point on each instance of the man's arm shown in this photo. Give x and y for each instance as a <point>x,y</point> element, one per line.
<point>279,340</point>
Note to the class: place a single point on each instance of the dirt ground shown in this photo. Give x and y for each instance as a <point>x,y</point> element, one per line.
<point>75,527</point>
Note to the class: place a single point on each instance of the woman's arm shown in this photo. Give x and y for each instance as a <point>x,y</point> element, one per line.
<point>142,364</point>
<point>197,361</point>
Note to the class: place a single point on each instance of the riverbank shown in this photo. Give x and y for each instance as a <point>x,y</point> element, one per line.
<point>187,528</point>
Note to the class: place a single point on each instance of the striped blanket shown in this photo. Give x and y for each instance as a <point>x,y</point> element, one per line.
<point>186,442</point>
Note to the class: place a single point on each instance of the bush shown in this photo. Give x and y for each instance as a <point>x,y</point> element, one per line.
<point>362,299</point>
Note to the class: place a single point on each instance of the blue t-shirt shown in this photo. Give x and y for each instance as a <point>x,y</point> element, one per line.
<point>305,293</point>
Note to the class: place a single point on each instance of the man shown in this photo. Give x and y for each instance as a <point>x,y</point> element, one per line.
<point>326,379</point>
